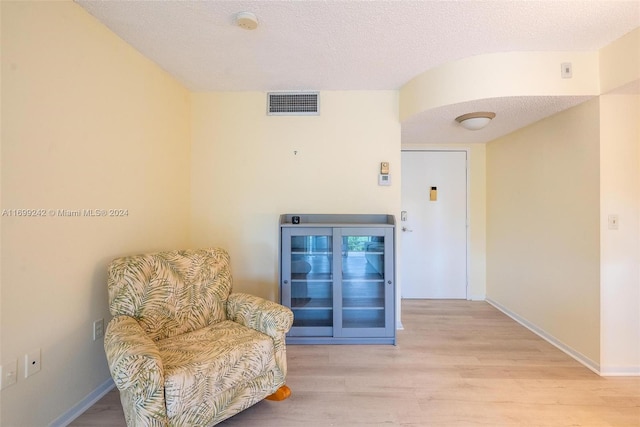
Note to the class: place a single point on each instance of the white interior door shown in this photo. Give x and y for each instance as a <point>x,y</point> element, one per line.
<point>434,231</point>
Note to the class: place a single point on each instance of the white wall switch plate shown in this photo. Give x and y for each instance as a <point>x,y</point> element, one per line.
<point>384,179</point>
<point>98,329</point>
<point>8,373</point>
<point>613,222</point>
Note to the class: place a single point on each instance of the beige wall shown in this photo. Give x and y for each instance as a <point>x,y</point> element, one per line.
<point>620,62</point>
<point>620,195</point>
<point>620,249</point>
<point>478,222</point>
<point>618,189</point>
<point>502,74</point>
<point>87,123</point>
<point>248,168</point>
<point>543,202</point>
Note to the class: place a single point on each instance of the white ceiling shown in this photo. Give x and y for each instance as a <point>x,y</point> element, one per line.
<point>363,45</point>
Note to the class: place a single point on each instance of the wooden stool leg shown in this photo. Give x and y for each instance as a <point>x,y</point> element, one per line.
<point>281,394</point>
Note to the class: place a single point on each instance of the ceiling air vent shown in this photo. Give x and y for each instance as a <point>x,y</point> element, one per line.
<point>293,103</point>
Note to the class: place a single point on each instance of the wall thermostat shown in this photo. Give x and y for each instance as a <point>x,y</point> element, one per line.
<point>384,179</point>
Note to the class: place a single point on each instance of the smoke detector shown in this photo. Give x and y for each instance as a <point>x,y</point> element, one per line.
<point>247,20</point>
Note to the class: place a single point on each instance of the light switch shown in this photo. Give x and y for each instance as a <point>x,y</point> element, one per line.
<point>384,168</point>
<point>613,222</point>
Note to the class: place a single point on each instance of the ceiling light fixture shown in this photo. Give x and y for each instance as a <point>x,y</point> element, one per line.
<point>475,121</point>
<point>247,20</point>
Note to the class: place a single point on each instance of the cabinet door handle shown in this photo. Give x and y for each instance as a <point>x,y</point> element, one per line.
<point>389,282</point>
<point>285,282</point>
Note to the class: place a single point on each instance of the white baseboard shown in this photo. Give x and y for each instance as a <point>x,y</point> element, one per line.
<point>620,371</point>
<point>595,367</point>
<point>80,407</point>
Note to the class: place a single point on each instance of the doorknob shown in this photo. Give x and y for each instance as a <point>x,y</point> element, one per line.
<point>406,230</point>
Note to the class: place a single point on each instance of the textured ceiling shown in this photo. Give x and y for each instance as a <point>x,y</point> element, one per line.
<point>360,45</point>
<point>512,113</point>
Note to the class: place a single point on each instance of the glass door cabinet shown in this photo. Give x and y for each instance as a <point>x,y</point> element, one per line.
<point>337,276</point>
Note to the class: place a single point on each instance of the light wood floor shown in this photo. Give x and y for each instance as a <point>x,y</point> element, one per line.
<point>457,363</point>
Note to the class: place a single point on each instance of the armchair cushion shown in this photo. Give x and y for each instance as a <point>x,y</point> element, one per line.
<point>195,371</point>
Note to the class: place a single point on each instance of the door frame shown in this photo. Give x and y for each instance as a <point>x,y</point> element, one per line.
<point>467,152</point>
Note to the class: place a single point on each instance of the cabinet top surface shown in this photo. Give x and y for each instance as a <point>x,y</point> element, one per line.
<point>337,220</point>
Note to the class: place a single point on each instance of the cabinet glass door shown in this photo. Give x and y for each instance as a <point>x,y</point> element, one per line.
<point>366,282</point>
<point>308,280</point>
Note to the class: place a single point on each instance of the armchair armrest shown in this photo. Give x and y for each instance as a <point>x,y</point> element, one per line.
<point>260,314</point>
<point>136,368</point>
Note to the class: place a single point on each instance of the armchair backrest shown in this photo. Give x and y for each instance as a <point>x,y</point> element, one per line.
<point>171,293</point>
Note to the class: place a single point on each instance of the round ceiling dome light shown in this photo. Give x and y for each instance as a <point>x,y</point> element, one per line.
<point>247,20</point>
<point>475,121</point>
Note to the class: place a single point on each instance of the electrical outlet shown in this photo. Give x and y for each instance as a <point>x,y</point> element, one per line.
<point>8,374</point>
<point>98,329</point>
<point>32,362</point>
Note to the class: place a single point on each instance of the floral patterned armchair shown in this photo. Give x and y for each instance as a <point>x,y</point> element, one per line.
<point>185,351</point>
